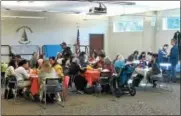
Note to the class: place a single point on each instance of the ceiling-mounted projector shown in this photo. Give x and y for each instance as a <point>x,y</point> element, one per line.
<point>98,10</point>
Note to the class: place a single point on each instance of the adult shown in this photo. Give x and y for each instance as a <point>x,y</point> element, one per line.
<point>100,63</point>
<point>82,59</point>
<point>154,70</point>
<point>93,56</point>
<point>119,63</point>
<point>108,65</point>
<point>174,57</point>
<point>58,68</point>
<point>142,56</point>
<point>116,58</point>
<point>66,53</point>
<point>46,72</point>
<point>163,54</point>
<point>59,58</point>
<point>22,75</point>
<point>40,60</point>
<point>17,58</point>
<point>34,60</point>
<point>10,71</point>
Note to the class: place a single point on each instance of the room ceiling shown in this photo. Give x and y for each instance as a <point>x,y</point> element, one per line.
<point>82,7</point>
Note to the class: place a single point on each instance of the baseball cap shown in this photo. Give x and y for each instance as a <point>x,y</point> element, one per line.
<point>63,43</point>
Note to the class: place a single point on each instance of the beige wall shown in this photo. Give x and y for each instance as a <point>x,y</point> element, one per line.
<point>58,27</point>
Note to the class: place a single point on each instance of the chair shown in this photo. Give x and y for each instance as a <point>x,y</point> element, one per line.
<point>52,86</point>
<point>12,84</point>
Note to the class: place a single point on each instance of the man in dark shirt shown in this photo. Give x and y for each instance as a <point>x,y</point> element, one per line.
<point>66,53</point>
<point>174,57</point>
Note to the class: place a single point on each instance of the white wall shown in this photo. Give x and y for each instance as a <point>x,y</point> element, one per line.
<point>55,29</point>
<point>150,39</point>
<point>58,27</point>
<point>164,36</point>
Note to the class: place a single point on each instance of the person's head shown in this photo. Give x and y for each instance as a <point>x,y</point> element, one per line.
<point>143,54</point>
<point>120,58</point>
<point>116,58</point>
<point>41,56</point>
<point>165,46</point>
<point>154,57</point>
<point>130,59</point>
<point>136,53</point>
<point>173,42</point>
<point>17,57</point>
<point>94,54</point>
<point>13,63</point>
<point>46,66</point>
<point>24,63</point>
<point>107,61</point>
<point>52,60</point>
<point>102,56</point>
<point>63,45</point>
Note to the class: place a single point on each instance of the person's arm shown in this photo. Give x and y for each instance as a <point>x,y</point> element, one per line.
<point>25,74</point>
<point>12,72</point>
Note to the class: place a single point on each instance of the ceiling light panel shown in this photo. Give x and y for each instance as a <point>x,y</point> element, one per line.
<point>24,3</point>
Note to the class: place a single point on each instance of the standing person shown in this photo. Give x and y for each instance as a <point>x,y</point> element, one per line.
<point>66,53</point>
<point>174,57</point>
<point>162,54</point>
<point>34,60</point>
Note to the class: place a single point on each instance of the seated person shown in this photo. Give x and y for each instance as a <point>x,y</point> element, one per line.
<point>82,59</point>
<point>119,63</point>
<point>22,75</point>
<point>108,65</point>
<point>142,56</point>
<point>10,71</point>
<point>58,68</point>
<point>100,62</point>
<point>155,70</point>
<point>46,72</point>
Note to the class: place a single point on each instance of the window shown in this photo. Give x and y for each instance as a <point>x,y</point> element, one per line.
<point>128,25</point>
<point>171,23</point>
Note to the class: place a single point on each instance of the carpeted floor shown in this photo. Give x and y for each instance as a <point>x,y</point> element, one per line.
<point>149,102</point>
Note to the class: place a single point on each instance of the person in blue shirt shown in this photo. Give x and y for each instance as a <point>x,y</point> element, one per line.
<point>162,54</point>
<point>174,57</point>
<point>119,63</point>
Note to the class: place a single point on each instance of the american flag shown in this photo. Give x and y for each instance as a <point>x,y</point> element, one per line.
<point>78,43</point>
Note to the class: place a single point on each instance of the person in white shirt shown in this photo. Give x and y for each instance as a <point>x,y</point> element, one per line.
<point>22,75</point>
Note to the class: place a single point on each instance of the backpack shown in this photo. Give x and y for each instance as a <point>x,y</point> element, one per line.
<point>97,88</point>
<point>89,90</point>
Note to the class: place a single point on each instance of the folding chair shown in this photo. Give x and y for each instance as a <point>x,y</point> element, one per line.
<point>52,86</point>
<point>12,84</point>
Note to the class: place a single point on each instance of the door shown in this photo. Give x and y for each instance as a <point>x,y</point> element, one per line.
<point>96,41</point>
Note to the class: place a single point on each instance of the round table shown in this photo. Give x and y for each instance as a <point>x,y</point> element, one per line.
<point>92,76</point>
<point>35,87</point>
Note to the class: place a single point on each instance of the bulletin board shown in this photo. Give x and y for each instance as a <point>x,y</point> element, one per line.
<point>26,51</point>
<point>51,50</point>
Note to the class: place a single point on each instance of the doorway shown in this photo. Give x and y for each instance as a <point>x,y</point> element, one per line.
<point>96,42</point>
